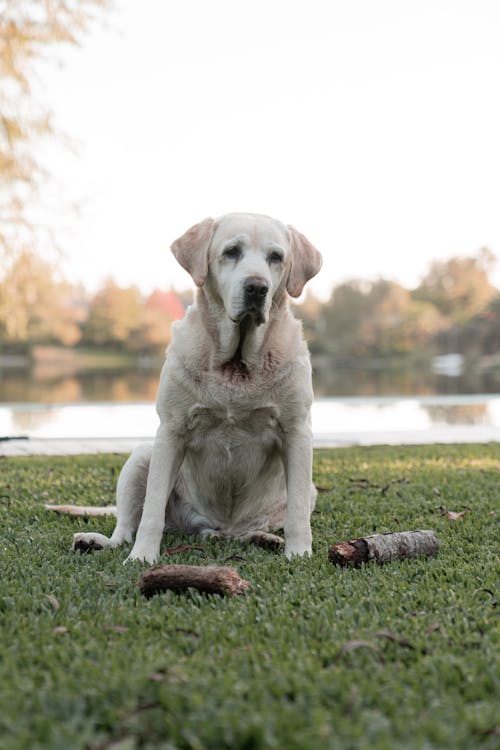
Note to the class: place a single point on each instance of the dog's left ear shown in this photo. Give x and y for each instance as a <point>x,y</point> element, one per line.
<point>191,250</point>
<point>306,262</point>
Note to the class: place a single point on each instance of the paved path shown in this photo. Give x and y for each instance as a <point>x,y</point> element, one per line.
<point>75,446</point>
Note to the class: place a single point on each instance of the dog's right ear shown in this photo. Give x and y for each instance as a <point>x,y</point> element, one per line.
<point>191,250</point>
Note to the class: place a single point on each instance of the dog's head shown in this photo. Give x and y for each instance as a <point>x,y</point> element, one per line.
<point>248,260</point>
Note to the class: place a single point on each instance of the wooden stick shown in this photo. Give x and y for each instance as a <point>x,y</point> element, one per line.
<point>86,511</point>
<point>383,548</point>
<point>211,579</point>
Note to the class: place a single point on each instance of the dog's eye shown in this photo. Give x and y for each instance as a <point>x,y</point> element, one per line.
<point>275,257</point>
<point>232,252</point>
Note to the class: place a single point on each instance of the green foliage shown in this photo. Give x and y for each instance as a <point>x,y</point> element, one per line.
<point>400,656</point>
<point>454,303</point>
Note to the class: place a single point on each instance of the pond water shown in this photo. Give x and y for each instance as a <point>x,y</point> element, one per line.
<point>351,406</point>
<point>47,385</point>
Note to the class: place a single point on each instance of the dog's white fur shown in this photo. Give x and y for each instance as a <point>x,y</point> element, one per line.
<point>233,452</point>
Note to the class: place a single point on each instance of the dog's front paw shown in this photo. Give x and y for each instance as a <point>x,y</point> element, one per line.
<point>91,542</point>
<point>297,547</point>
<point>143,555</point>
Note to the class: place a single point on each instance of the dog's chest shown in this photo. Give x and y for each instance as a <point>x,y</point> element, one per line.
<point>232,427</point>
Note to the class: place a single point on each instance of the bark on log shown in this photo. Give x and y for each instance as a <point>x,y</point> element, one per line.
<point>210,579</point>
<point>383,548</point>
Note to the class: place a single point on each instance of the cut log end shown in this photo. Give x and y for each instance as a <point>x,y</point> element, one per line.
<point>349,553</point>
<point>382,548</point>
<point>210,579</point>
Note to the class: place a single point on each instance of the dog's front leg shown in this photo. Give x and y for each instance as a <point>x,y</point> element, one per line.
<point>298,470</point>
<point>166,460</point>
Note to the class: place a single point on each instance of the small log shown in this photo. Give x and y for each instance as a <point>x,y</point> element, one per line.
<point>383,548</point>
<point>210,579</point>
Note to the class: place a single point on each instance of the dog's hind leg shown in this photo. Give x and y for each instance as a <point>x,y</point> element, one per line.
<point>130,494</point>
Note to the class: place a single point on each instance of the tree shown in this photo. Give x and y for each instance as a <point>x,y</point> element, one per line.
<point>36,306</point>
<point>28,28</point>
<point>396,323</point>
<point>376,318</point>
<point>459,287</point>
<point>116,315</point>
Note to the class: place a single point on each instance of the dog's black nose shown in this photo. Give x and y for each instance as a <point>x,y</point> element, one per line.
<point>256,290</point>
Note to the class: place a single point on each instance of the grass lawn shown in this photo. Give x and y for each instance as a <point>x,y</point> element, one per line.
<point>400,656</point>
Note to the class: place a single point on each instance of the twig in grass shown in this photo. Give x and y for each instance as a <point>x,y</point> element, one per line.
<point>395,639</point>
<point>383,548</point>
<point>403,480</point>
<point>364,483</point>
<point>354,645</point>
<point>211,579</point>
<point>183,548</point>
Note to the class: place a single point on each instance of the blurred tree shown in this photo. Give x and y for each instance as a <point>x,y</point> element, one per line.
<point>160,311</point>
<point>376,318</point>
<point>459,287</point>
<point>116,315</point>
<point>396,323</point>
<point>36,306</point>
<point>28,28</point>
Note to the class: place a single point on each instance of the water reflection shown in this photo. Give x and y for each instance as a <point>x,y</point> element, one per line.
<point>123,386</point>
<point>23,386</point>
<point>463,414</point>
<point>401,381</point>
<point>121,404</point>
<point>351,419</point>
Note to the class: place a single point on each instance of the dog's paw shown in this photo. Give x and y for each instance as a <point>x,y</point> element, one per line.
<point>83,542</point>
<point>142,556</point>
<point>297,548</point>
<point>266,540</point>
<point>210,534</point>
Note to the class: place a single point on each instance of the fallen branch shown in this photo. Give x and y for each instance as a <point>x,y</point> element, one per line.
<point>210,579</point>
<point>384,547</point>
<point>85,511</point>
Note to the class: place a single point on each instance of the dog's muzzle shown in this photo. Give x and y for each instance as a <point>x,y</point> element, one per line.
<point>255,292</point>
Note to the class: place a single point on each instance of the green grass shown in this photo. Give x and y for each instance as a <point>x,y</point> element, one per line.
<point>87,662</point>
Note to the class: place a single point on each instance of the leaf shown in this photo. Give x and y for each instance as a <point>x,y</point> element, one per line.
<point>54,602</point>
<point>60,630</point>
<point>454,516</point>
<point>451,514</point>
<point>323,489</point>
<point>117,628</point>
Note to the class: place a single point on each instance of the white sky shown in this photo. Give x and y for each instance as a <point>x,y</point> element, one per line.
<point>372,126</point>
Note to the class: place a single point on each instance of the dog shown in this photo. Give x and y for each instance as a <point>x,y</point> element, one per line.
<point>232,456</point>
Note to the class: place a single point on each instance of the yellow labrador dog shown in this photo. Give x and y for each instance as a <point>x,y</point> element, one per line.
<point>233,453</point>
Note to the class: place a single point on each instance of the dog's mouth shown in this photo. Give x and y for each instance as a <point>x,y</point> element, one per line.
<point>247,317</point>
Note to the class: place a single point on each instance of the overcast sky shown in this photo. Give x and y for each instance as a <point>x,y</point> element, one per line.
<point>372,126</point>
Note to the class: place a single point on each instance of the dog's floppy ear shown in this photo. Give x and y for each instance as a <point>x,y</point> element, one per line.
<point>306,262</point>
<point>191,250</point>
